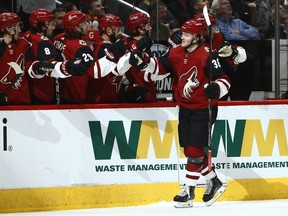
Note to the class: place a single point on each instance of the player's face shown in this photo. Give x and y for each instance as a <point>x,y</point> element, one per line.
<point>14,30</point>
<point>116,30</point>
<point>187,39</point>
<point>84,27</point>
<point>50,28</point>
<point>59,20</point>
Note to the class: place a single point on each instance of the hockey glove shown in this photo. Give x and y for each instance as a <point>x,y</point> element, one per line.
<point>175,38</point>
<point>139,60</point>
<point>115,52</point>
<point>2,47</point>
<point>3,99</point>
<point>43,67</point>
<point>143,44</point>
<point>136,93</point>
<point>212,90</point>
<point>74,67</point>
<point>227,51</point>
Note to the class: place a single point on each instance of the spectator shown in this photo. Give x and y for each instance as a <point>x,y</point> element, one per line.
<point>96,9</point>
<point>283,22</point>
<point>179,9</point>
<point>196,6</point>
<point>160,29</point>
<point>232,29</point>
<point>266,19</point>
<point>168,19</point>
<point>246,10</point>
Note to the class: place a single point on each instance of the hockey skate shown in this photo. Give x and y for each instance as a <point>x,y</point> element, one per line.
<point>214,189</point>
<point>185,198</point>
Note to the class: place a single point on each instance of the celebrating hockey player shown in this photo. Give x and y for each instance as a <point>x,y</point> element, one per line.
<point>15,56</point>
<point>111,30</point>
<point>138,89</point>
<point>191,65</point>
<point>42,88</point>
<point>71,46</point>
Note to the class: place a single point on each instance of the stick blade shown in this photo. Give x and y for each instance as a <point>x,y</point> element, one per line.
<point>206,15</point>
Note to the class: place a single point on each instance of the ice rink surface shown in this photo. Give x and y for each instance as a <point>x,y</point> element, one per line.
<point>243,208</point>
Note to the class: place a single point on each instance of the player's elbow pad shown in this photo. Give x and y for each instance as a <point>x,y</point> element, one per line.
<point>241,57</point>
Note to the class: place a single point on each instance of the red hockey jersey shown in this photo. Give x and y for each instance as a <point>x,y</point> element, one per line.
<point>135,77</point>
<point>13,78</point>
<point>42,89</point>
<point>190,74</point>
<point>72,89</point>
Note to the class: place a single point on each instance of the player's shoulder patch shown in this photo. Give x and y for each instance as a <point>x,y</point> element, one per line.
<point>216,29</point>
<point>44,38</point>
<point>82,42</point>
<point>206,49</point>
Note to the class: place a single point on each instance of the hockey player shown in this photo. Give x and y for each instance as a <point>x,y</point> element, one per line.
<point>15,56</point>
<point>71,46</point>
<point>43,87</point>
<point>111,30</point>
<point>138,89</point>
<point>42,90</point>
<point>190,64</point>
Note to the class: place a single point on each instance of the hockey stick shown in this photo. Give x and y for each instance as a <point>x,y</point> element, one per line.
<point>208,22</point>
<point>134,7</point>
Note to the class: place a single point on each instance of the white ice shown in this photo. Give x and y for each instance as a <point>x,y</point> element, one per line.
<point>243,208</point>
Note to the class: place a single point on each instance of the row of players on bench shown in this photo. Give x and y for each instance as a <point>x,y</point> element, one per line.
<point>72,69</point>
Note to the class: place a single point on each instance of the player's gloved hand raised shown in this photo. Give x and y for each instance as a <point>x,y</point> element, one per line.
<point>212,90</point>
<point>175,38</point>
<point>115,52</point>
<point>139,59</point>
<point>74,67</point>
<point>43,67</point>
<point>227,50</point>
<point>2,47</point>
<point>143,44</point>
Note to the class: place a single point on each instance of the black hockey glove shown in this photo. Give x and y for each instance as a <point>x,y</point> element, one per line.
<point>136,93</point>
<point>3,99</point>
<point>143,44</point>
<point>226,50</point>
<point>115,52</point>
<point>212,91</point>
<point>175,38</point>
<point>2,47</point>
<point>139,60</point>
<point>74,67</point>
<point>43,67</point>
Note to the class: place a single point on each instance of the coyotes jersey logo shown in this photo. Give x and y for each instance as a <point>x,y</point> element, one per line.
<point>13,76</point>
<point>188,81</point>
